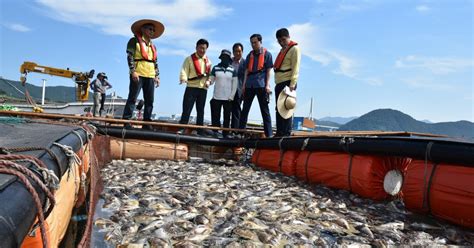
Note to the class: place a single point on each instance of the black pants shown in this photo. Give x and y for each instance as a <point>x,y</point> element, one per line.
<point>236,110</point>
<point>102,103</point>
<point>191,96</point>
<point>148,86</point>
<point>284,126</point>
<point>263,100</point>
<point>216,106</point>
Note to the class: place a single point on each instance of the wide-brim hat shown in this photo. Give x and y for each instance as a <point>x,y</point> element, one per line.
<point>286,103</point>
<point>159,27</point>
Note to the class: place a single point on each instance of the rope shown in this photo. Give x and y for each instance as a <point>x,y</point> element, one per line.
<point>35,178</point>
<point>48,175</point>
<point>430,182</point>
<point>79,136</point>
<point>176,144</point>
<point>351,156</point>
<point>425,172</point>
<point>124,132</point>
<point>8,150</point>
<point>19,172</point>
<point>282,153</point>
<point>305,144</point>
<point>306,165</point>
<point>71,155</point>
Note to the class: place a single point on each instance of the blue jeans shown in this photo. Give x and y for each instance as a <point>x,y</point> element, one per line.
<point>148,85</point>
<point>263,100</point>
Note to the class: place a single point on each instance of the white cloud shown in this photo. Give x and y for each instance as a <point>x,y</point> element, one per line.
<point>310,42</point>
<point>422,8</point>
<point>427,83</point>
<point>181,17</point>
<point>436,65</point>
<point>17,27</point>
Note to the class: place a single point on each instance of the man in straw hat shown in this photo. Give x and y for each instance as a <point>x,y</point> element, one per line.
<point>286,67</point>
<point>142,62</point>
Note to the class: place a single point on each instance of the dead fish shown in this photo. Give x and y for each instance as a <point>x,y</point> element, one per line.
<point>253,224</point>
<point>366,230</point>
<point>153,225</point>
<point>144,219</point>
<point>130,205</point>
<point>423,226</point>
<point>103,223</point>
<point>245,233</point>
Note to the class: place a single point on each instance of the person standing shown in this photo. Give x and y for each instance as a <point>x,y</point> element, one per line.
<point>99,87</point>
<point>225,78</point>
<point>195,74</point>
<point>238,65</point>
<point>286,67</point>
<point>258,65</point>
<point>143,66</point>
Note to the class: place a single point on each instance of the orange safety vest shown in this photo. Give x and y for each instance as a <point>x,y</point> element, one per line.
<point>197,66</point>
<point>143,50</point>
<point>281,56</point>
<point>261,60</point>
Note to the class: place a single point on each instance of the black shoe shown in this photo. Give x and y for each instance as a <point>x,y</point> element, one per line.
<point>181,131</point>
<point>205,133</point>
<point>147,127</point>
<point>238,136</point>
<point>218,135</point>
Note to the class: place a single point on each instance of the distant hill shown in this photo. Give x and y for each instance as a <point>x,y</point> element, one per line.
<point>394,120</point>
<point>339,120</point>
<point>53,93</point>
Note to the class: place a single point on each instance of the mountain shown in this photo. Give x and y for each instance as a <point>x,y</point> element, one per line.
<point>394,120</point>
<point>53,93</point>
<point>339,120</point>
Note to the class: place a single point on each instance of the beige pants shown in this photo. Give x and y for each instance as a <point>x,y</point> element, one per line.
<point>97,98</point>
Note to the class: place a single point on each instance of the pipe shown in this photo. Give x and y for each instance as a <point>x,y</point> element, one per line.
<point>436,150</point>
<point>168,137</point>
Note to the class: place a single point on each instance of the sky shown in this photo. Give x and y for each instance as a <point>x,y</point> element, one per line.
<point>415,56</point>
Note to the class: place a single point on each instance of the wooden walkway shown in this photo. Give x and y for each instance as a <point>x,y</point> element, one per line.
<point>175,126</point>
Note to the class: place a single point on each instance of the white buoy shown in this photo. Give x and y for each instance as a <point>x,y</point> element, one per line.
<point>392,183</point>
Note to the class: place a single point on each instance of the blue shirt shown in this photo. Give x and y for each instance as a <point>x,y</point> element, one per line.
<point>257,80</point>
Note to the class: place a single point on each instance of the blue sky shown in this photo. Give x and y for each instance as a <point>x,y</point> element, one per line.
<point>413,56</point>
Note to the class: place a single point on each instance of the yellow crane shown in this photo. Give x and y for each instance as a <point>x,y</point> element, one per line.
<point>82,79</point>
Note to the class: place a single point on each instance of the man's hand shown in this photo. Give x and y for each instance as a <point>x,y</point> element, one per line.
<point>157,82</point>
<point>292,88</point>
<point>135,77</point>
<point>268,89</point>
<point>207,84</point>
<point>183,82</point>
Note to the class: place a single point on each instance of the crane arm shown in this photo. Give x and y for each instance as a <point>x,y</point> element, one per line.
<point>82,79</point>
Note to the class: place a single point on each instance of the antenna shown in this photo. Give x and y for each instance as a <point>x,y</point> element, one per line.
<point>311,109</point>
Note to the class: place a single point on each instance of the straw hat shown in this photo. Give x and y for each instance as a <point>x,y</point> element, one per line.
<point>286,103</point>
<point>159,28</point>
